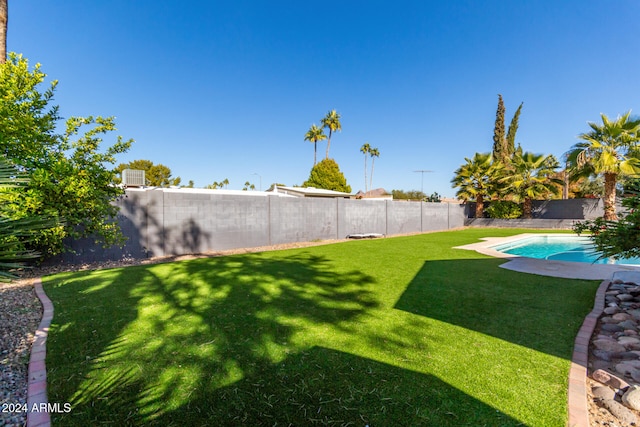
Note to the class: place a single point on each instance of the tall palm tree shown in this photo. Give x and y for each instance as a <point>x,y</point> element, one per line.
<point>374,152</point>
<point>610,150</point>
<point>4,20</point>
<point>331,121</point>
<point>314,135</point>
<point>477,179</point>
<point>531,177</point>
<point>365,149</point>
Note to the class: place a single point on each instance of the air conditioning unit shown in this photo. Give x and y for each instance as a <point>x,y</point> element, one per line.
<point>133,178</point>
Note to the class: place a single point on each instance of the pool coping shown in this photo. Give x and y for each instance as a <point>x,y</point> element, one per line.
<point>564,269</point>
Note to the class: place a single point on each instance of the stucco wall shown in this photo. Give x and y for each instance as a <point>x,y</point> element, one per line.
<point>162,222</point>
<point>558,209</point>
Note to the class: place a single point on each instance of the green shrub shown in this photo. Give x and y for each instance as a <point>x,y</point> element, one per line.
<point>504,209</point>
<point>621,238</point>
<point>70,171</point>
<point>326,174</point>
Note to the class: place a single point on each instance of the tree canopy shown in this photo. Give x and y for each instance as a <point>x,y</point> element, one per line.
<point>327,175</point>
<point>610,150</point>
<point>315,134</point>
<point>477,180</point>
<point>155,175</point>
<point>217,185</point>
<point>619,238</point>
<point>332,122</point>
<point>408,195</point>
<point>499,140</point>
<point>531,178</point>
<point>71,179</point>
<point>504,144</point>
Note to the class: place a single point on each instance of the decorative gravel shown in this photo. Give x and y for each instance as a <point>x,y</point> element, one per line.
<point>20,314</point>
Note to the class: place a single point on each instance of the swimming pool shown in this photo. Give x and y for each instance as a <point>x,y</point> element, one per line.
<point>559,248</point>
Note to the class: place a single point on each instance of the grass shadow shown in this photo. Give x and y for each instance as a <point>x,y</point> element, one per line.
<point>320,386</point>
<point>353,334</point>
<point>543,314</point>
<point>140,337</point>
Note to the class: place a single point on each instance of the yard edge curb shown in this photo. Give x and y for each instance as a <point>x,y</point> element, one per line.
<point>577,391</point>
<point>37,384</point>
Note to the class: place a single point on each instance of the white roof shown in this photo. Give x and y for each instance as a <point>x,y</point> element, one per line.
<point>309,192</point>
<point>200,191</point>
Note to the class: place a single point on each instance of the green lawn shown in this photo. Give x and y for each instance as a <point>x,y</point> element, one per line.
<point>401,331</point>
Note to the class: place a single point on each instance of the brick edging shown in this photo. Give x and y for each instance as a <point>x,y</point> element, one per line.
<point>577,392</point>
<point>37,386</point>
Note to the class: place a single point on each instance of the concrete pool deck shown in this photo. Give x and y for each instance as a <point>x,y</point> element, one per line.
<point>564,269</point>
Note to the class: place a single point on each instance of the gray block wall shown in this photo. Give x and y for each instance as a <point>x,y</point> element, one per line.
<point>557,209</point>
<point>301,219</point>
<point>404,217</point>
<point>161,222</point>
<point>568,209</point>
<point>563,224</point>
<point>361,216</point>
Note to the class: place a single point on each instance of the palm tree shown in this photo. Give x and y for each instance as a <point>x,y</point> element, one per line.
<point>16,234</point>
<point>477,180</point>
<point>314,135</point>
<point>531,177</point>
<point>365,149</point>
<point>4,20</point>
<point>608,150</point>
<point>374,152</point>
<point>331,121</point>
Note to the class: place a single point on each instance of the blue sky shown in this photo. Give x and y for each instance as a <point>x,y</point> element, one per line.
<point>219,90</point>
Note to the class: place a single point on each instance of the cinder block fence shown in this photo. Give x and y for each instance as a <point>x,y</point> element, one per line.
<point>160,222</point>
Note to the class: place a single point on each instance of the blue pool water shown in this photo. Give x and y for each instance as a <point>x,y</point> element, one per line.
<point>560,248</point>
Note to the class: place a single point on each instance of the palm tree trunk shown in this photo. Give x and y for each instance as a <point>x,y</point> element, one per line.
<point>373,159</point>
<point>4,20</point>
<point>610,196</point>
<point>328,144</point>
<point>527,208</point>
<point>365,174</point>
<point>315,152</point>
<point>479,207</point>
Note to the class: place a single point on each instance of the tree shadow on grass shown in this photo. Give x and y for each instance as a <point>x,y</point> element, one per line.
<point>223,341</point>
<point>130,344</point>
<point>538,312</point>
<point>318,386</point>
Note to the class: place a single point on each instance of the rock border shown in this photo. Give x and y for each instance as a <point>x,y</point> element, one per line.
<point>577,391</point>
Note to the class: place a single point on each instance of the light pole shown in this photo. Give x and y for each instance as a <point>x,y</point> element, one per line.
<point>422,171</point>
<point>260,176</point>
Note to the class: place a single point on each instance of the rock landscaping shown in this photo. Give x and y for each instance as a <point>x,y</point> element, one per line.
<point>614,359</point>
<point>20,313</point>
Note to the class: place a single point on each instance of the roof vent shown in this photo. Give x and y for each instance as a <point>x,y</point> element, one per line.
<point>133,178</point>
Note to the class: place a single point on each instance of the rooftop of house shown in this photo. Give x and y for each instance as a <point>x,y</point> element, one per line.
<point>308,192</point>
